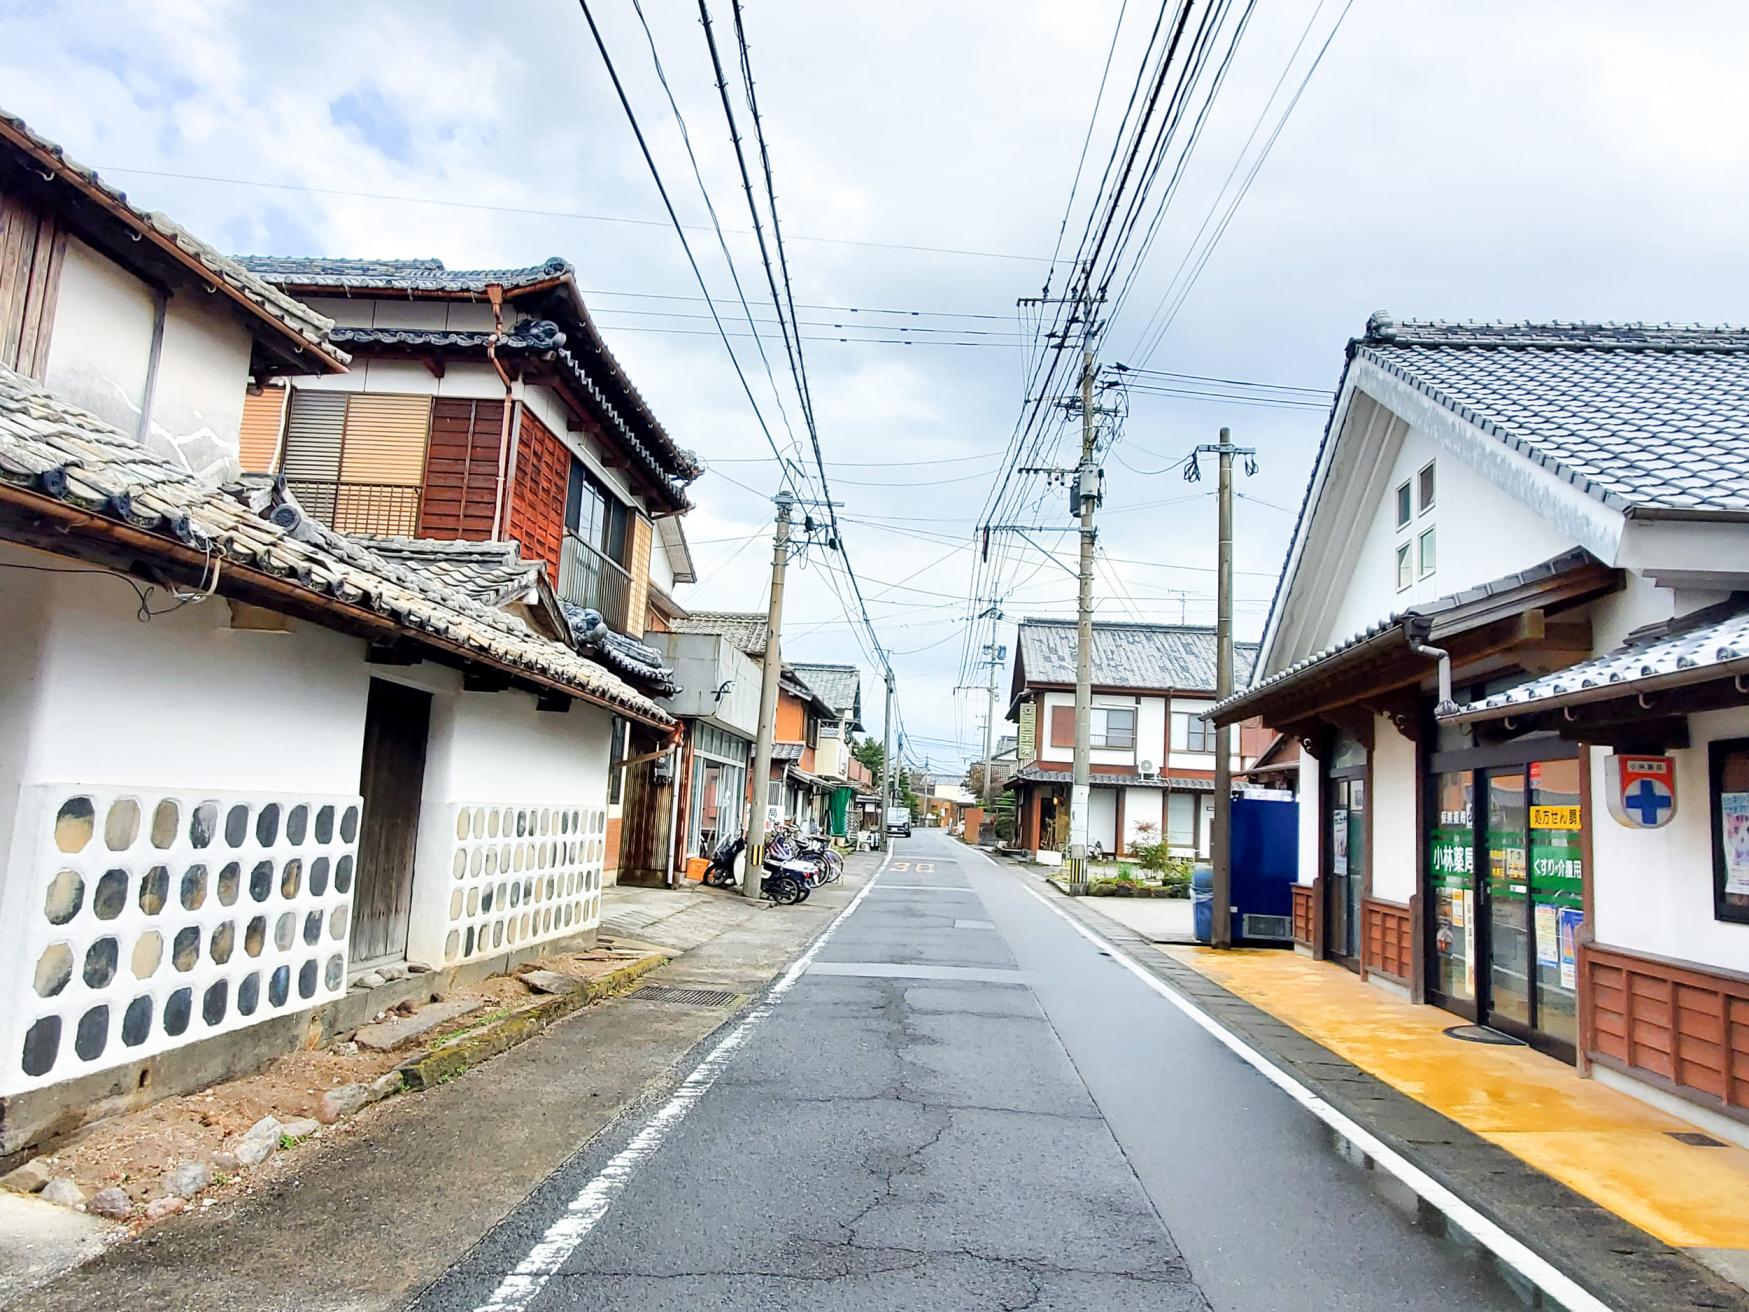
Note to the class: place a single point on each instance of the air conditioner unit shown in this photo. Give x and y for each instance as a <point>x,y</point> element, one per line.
<point>1147,770</point>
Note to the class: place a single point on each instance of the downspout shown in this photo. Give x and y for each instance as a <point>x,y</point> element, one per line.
<point>1445,704</point>
<point>506,465</point>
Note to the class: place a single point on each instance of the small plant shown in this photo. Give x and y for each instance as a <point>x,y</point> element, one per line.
<point>286,1141</point>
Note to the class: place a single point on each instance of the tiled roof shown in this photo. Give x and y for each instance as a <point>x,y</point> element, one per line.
<point>63,454</point>
<point>492,573</point>
<point>1710,643</point>
<point>840,685</point>
<point>430,277</point>
<point>1420,617</point>
<point>1647,418</point>
<point>263,297</point>
<point>1177,656</point>
<point>743,629</point>
<point>787,751</point>
<point>1032,774</point>
<point>408,275</point>
<point>644,666</point>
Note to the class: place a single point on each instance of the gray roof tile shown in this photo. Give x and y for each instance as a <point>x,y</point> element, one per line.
<point>743,629</point>
<point>840,685</point>
<point>63,453</point>
<point>1176,656</point>
<point>407,275</point>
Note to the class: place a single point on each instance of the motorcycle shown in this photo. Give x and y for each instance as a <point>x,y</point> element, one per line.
<point>777,881</point>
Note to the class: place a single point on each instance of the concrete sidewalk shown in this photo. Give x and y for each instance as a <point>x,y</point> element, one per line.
<point>363,1218</point>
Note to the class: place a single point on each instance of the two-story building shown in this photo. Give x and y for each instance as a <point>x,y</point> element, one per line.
<point>1153,759</point>
<point>252,763</point>
<point>840,686</point>
<point>1510,640</point>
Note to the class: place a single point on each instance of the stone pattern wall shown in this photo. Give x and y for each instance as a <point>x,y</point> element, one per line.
<point>520,875</point>
<point>134,920</point>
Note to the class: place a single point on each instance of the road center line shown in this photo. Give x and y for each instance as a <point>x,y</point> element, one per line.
<point>517,1289</point>
<point>1562,1288</point>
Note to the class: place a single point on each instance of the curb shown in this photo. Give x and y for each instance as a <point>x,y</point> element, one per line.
<point>447,1060</point>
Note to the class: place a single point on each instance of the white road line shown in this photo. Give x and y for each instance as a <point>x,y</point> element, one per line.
<point>544,1260</point>
<point>1513,1252</point>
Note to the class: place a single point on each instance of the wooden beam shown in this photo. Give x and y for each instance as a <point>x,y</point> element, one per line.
<point>556,702</point>
<point>484,678</point>
<point>433,365</point>
<point>393,651</point>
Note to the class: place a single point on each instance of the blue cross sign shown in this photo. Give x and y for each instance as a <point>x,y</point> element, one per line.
<point>1648,801</point>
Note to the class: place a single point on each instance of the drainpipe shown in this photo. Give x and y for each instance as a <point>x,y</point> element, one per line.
<point>495,294</point>
<point>1446,704</point>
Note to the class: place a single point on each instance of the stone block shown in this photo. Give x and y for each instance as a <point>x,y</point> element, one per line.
<point>258,1142</point>
<point>302,1128</point>
<point>343,1101</point>
<point>159,1208</point>
<point>62,1192</point>
<point>188,1179</point>
<point>110,1202</point>
<point>398,1031</point>
<point>550,981</point>
<point>29,1178</point>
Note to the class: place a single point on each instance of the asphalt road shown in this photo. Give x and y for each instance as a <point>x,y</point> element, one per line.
<point>960,1102</point>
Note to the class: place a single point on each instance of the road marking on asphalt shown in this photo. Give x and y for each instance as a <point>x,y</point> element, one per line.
<point>974,924</point>
<point>1512,1251</point>
<point>926,888</point>
<point>900,970</point>
<point>519,1288</point>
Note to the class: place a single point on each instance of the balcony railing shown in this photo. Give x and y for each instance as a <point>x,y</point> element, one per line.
<point>588,578</point>
<point>383,508</point>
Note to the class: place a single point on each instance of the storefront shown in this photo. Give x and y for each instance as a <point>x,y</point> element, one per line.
<point>719,787</point>
<point>1504,898</point>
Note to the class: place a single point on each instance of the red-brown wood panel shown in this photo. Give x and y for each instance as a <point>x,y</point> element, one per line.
<point>1302,914</point>
<point>1679,1021</point>
<point>1062,726</point>
<point>537,493</point>
<point>461,469</point>
<point>1385,938</point>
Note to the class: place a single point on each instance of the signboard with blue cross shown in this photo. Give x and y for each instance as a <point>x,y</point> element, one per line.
<point>1642,790</point>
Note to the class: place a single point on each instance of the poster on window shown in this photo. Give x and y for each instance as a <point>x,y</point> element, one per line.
<point>1547,948</point>
<point>1734,823</point>
<point>1571,918</point>
<point>1339,840</point>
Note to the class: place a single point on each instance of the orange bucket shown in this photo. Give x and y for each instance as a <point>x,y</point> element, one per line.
<point>696,866</point>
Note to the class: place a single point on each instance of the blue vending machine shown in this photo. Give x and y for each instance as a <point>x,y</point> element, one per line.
<point>1266,859</point>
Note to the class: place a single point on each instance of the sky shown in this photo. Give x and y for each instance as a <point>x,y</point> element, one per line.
<point>1449,159</point>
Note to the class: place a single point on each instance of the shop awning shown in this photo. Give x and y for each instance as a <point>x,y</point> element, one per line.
<point>1491,618</point>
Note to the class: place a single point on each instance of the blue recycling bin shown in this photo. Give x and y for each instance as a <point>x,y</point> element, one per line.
<point>1202,902</point>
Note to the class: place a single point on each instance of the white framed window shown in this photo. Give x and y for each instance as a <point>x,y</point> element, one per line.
<point>1181,819</point>
<point>1427,548</point>
<point>1426,485</point>
<point>1404,505</point>
<point>1113,727</point>
<point>1405,566</point>
<point>1192,733</point>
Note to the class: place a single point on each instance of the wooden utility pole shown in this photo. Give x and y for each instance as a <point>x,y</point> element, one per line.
<point>1086,489</point>
<point>887,774</point>
<point>771,674</point>
<point>1221,929</point>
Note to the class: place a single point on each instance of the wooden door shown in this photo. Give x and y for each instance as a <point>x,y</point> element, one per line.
<point>397,720</point>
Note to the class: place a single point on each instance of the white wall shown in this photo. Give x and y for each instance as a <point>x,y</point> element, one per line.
<point>461,379</point>
<point>1181,759</point>
<point>1653,889</point>
<point>1394,839</point>
<point>702,663</point>
<point>1102,818</point>
<point>1151,731</point>
<point>1143,805</point>
<point>100,350</point>
<point>1311,811</point>
<point>1482,533</point>
<point>197,401</point>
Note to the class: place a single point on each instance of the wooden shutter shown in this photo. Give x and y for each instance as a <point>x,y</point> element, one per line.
<point>382,458</point>
<point>31,247</point>
<point>638,565</point>
<point>537,493</point>
<point>461,470</point>
<point>311,462</point>
<point>263,417</point>
<point>1062,726</point>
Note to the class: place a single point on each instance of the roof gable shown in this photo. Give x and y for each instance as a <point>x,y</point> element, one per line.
<point>1178,657</point>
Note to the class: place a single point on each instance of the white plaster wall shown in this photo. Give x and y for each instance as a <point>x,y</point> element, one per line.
<point>702,663</point>
<point>197,401</point>
<point>1653,888</point>
<point>1311,808</point>
<point>1046,752</point>
<point>1143,805</point>
<point>1102,818</point>
<point>1394,839</point>
<point>496,751</point>
<point>395,377</point>
<point>1483,532</point>
<point>661,568</point>
<point>101,348</point>
<point>398,312</point>
<point>24,600</point>
<point>1151,731</point>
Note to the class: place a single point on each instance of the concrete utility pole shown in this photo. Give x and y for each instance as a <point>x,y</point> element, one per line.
<point>993,654</point>
<point>887,775</point>
<point>1086,493</point>
<point>1221,845</point>
<point>771,674</point>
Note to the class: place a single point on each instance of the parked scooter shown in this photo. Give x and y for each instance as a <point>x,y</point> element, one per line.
<point>782,885</point>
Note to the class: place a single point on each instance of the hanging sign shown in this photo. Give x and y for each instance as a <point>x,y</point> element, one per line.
<point>1026,740</point>
<point>1641,790</point>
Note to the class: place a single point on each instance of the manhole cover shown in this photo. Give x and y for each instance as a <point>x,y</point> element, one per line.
<point>1482,1034</point>
<point>686,997</point>
<point>1695,1139</point>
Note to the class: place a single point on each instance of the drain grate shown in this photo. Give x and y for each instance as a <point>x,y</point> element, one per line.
<point>1695,1139</point>
<point>686,997</point>
<point>1482,1034</point>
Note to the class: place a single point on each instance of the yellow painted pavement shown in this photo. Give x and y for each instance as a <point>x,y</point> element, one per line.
<point>1612,1148</point>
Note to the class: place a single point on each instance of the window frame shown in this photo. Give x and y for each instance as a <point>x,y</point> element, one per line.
<point>1199,734</point>
<point>1405,566</point>
<point>1404,506</point>
<point>616,755</point>
<point>1423,569</point>
<point>1717,751</point>
<point>1102,739</point>
<point>1430,474</point>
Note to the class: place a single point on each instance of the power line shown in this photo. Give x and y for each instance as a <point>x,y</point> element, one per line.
<point>813,305</point>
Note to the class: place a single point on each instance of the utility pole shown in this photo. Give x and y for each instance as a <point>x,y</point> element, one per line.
<point>1221,838</point>
<point>771,674</point>
<point>887,775</point>
<point>1087,497</point>
<point>993,657</point>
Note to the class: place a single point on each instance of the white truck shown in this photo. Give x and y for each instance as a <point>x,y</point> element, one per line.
<point>899,821</point>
